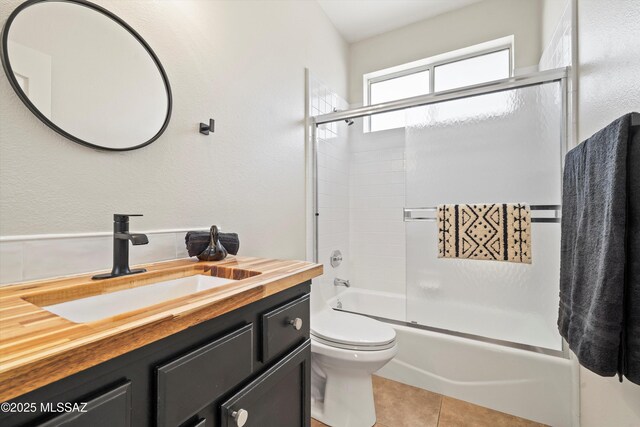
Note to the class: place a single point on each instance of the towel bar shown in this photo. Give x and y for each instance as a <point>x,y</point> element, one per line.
<point>409,217</point>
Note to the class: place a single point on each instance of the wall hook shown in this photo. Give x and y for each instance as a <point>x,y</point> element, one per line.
<point>204,129</point>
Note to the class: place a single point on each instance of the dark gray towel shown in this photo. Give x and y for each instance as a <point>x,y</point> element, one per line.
<point>632,295</point>
<point>197,242</point>
<point>594,248</point>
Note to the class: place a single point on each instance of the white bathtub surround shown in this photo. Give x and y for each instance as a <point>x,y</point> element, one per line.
<point>490,322</point>
<point>25,258</point>
<point>387,305</point>
<point>333,185</point>
<point>519,382</point>
<point>376,200</point>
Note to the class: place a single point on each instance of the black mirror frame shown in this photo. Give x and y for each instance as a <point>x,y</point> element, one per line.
<point>16,87</point>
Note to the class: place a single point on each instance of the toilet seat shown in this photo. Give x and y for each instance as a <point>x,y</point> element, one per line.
<point>351,331</point>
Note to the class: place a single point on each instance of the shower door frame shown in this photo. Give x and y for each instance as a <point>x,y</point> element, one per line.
<point>560,75</point>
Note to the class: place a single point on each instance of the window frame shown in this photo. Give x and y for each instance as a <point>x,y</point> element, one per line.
<point>430,64</point>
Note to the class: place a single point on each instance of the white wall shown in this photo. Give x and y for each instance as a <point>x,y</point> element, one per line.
<point>556,34</point>
<point>240,62</point>
<point>377,196</point>
<point>609,66</point>
<point>477,23</point>
<point>551,14</point>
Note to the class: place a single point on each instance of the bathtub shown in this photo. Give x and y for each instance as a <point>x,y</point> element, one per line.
<point>525,383</point>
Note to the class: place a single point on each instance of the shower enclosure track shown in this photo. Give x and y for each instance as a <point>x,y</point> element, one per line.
<point>480,338</point>
<point>515,82</point>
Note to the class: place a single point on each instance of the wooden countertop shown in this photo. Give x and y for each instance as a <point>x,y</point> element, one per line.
<point>38,347</point>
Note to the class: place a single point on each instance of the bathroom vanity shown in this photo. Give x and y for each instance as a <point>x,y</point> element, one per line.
<point>235,354</point>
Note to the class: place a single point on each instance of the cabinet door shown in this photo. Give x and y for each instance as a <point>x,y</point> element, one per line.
<point>278,398</point>
<point>194,380</point>
<point>110,409</point>
<point>284,327</point>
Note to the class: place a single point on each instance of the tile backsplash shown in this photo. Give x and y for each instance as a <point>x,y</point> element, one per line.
<point>43,256</point>
<point>376,200</point>
<point>360,199</point>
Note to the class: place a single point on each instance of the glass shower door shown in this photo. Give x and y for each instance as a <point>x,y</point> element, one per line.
<point>504,147</point>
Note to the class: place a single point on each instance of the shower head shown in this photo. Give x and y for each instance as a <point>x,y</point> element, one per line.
<point>349,122</point>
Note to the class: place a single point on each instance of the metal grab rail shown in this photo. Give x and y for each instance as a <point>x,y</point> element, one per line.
<point>408,213</point>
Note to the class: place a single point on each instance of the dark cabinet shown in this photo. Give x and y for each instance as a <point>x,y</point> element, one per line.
<point>253,363</point>
<point>189,383</point>
<point>110,409</point>
<point>284,327</point>
<point>277,398</point>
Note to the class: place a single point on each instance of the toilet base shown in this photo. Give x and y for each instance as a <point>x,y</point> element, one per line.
<point>353,406</point>
<point>342,390</point>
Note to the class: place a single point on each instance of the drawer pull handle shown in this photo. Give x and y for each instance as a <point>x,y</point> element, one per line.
<point>240,416</point>
<point>296,323</point>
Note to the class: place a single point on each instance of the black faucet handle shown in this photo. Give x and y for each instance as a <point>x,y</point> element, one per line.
<point>123,217</point>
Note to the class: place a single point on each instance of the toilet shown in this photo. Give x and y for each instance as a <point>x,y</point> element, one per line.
<point>346,349</point>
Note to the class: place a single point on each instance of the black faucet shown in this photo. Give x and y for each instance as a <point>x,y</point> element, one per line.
<point>121,238</point>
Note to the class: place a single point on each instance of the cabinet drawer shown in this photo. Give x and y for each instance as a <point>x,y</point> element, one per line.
<point>280,332</point>
<point>278,398</point>
<point>189,383</point>
<point>110,409</point>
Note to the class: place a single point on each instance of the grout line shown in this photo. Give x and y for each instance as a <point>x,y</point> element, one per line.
<point>440,410</point>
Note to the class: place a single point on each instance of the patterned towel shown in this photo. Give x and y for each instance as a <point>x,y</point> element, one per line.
<point>498,232</point>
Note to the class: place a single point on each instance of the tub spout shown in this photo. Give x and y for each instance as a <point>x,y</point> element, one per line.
<point>341,282</point>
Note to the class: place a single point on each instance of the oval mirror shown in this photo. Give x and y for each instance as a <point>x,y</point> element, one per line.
<point>86,74</point>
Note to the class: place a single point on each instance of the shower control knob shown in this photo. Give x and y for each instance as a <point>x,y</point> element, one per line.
<point>240,416</point>
<point>336,258</point>
<point>296,323</point>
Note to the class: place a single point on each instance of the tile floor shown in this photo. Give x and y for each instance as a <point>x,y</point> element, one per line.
<point>401,405</point>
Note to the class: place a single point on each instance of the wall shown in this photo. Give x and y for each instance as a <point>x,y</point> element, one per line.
<point>609,66</point>
<point>377,196</point>
<point>477,23</point>
<point>551,15</point>
<point>556,34</point>
<point>333,188</point>
<point>241,63</point>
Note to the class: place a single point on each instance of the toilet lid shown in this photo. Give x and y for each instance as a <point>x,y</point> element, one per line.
<point>351,329</point>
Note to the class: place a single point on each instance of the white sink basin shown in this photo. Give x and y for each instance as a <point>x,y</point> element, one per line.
<point>107,305</point>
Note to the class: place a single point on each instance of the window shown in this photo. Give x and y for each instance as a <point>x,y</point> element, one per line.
<point>465,67</point>
<point>416,83</point>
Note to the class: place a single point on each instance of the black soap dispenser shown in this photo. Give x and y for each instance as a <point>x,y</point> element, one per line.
<point>215,251</point>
